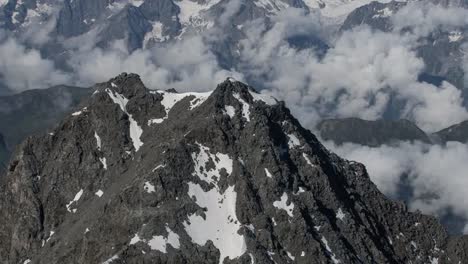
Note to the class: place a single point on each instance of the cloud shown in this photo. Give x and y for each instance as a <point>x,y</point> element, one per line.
<point>437,174</point>
<point>423,18</point>
<point>22,68</point>
<point>360,75</point>
<point>187,65</point>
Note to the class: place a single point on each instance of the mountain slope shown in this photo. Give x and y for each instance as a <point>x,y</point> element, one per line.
<point>140,176</point>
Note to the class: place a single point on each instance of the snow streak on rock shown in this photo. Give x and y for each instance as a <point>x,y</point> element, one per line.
<point>135,129</point>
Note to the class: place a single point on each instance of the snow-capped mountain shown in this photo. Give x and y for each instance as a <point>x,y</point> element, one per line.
<point>229,176</point>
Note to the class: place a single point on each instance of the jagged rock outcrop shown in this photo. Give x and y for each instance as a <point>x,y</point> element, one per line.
<point>370,133</point>
<point>229,176</point>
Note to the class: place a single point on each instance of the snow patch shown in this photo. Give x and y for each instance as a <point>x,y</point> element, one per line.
<point>301,190</point>
<point>210,175</point>
<point>190,11</point>
<point>340,215</point>
<point>109,261</point>
<point>282,204</point>
<point>220,224</point>
<point>171,99</point>
<point>103,162</point>
<point>268,174</point>
<point>149,188</point>
<point>160,243</point>
<point>252,259</point>
<point>98,141</point>
<point>290,256</point>
<point>455,36</point>
<point>156,121</point>
<point>75,199</point>
<point>308,160</point>
<point>99,193</point>
<point>135,130</point>
<point>158,167</point>
<point>339,8</point>
<point>267,99</point>
<point>245,107</point>
<point>330,252</point>
<point>386,12</point>
<point>50,235</point>
<point>293,141</point>
<point>230,110</point>
<point>272,6</point>
<point>156,34</point>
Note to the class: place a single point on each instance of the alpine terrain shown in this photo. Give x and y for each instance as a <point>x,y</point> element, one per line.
<point>229,176</point>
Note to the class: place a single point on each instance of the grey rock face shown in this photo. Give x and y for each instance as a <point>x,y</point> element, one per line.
<point>128,24</point>
<point>77,16</point>
<point>31,112</point>
<point>140,176</point>
<point>370,133</point>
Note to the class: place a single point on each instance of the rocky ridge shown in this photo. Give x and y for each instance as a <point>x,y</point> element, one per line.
<point>229,176</point>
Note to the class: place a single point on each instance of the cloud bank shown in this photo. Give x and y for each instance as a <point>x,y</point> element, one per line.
<point>365,73</point>
<point>22,68</point>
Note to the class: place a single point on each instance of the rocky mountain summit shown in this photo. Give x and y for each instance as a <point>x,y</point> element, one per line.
<point>229,176</point>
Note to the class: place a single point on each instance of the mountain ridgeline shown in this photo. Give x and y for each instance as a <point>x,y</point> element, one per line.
<point>228,176</point>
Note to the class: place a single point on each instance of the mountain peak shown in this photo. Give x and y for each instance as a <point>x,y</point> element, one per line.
<point>127,84</point>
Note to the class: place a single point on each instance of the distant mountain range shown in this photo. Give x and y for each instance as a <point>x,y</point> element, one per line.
<point>386,132</point>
